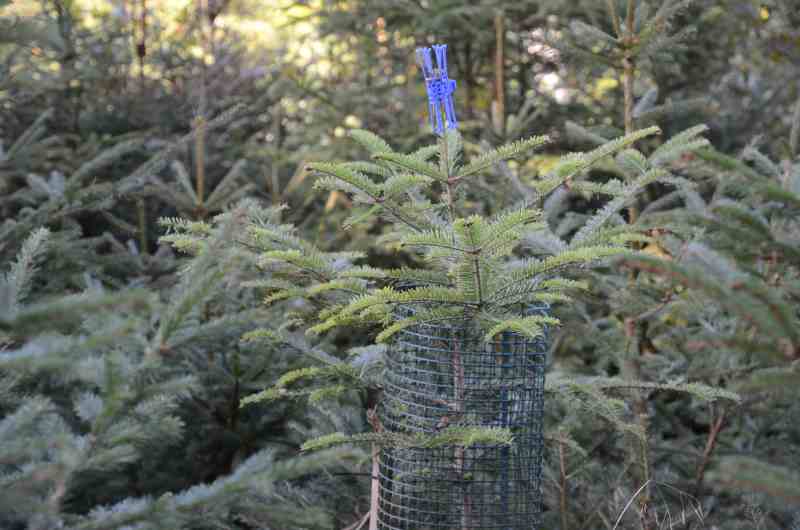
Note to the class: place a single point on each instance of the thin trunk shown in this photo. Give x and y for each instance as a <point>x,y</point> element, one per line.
<point>469,82</point>
<point>522,75</point>
<point>375,490</point>
<point>627,80</point>
<point>634,329</point>
<point>444,165</point>
<point>200,121</point>
<point>612,12</point>
<point>563,471</point>
<point>141,210</point>
<point>127,11</point>
<point>141,46</point>
<point>70,92</point>
<point>274,167</point>
<point>233,416</point>
<point>200,164</point>
<point>458,384</point>
<point>717,424</point>
<point>499,109</point>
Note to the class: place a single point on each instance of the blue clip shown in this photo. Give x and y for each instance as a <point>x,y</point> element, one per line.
<point>440,88</point>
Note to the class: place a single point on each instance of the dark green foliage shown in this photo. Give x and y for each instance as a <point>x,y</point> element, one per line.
<point>96,407</point>
<point>672,382</point>
<point>747,261</point>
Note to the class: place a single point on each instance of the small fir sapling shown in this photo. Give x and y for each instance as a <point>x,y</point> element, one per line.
<point>470,266</point>
<point>736,286</point>
<point>634,41</point>
<point>470,271</point>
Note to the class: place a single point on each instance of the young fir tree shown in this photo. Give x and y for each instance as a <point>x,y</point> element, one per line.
<point>643,328</point>
<point>734,284</point>
<point>629,39</point>
<point>465,267</point>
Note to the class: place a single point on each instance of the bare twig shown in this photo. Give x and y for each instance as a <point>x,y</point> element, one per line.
<point>629,503</point>
<point>458,382</point>
<point>563,497</point>
<point>375,492</point>
<point>717,424</point>
<point>358,525</point>
<point>499,74</point>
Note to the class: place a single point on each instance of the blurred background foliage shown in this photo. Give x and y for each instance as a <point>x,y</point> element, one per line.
<point>117,113</point>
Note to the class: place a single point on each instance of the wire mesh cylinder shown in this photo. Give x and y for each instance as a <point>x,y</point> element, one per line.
<point>438,376</point>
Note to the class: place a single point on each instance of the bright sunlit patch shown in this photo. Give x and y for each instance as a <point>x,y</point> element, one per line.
<point>288,27</point>
<point>352,121</point>
<point>562,95</point>
<point>603,85</point>
<point>549,81</point>
<point>542,163</point>
<point>196,52</point>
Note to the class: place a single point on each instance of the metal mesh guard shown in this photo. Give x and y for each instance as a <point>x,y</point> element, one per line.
<point>438,376</point>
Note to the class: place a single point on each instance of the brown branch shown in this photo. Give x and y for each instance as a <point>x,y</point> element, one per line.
<point>563,496</point>
<point>711,443</point>
<point>458,383</point>
<point>360,523</point>
<point>499,109</point>
<point>375,492</point>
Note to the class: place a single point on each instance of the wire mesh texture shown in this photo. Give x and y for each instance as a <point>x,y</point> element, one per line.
<point>443,375</point>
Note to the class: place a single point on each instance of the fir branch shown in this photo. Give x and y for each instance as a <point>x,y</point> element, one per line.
<point>348,179</point>
<point>500,154</point>
<point>425,153</point>
<point>69,309</point>
<point>507,226</point>
<point>223,194</point>
<point>17,281</point>
<point>435,237</point>
<point>779,380</point>
<point>406,275</point>
<point>105,158</point>
<point>679,145</point>
<point>454,436</point>
<point>752,474</point>
<point>412,164</point>
<point>30,135</point>
<point>571,165</point>
<point>183,178</point>
<point>369,168</point>
<point>157,162</point>
<point>381,300</point>
<point>728,163</point>
<point>532,327</point>
<point>613,207</point>
<point>632,161</point>
<point>532,268</point>
<point>403,183</point>
<point>370,141</point>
